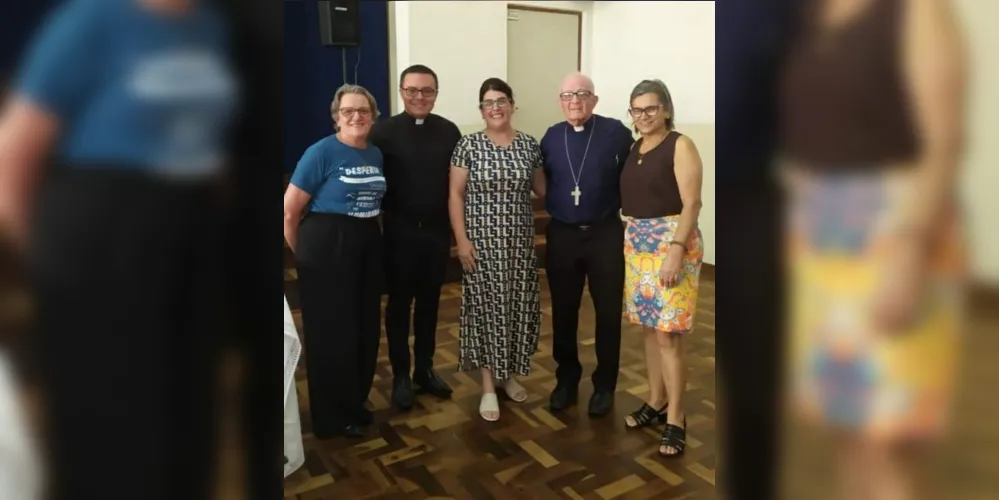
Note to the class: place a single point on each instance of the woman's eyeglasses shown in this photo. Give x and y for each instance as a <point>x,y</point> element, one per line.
<point>502,102</point>
<point>350,112</point>
<point>650,111</point>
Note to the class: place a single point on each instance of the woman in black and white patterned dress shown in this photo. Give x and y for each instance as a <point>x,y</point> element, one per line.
<point>492,175</point>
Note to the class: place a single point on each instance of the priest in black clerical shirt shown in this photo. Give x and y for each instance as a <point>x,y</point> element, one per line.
<point>417,147</point>
<point>583,157</point>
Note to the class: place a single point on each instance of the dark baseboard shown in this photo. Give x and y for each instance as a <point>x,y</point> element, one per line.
<point>983,299</point>
<point>708,271</point>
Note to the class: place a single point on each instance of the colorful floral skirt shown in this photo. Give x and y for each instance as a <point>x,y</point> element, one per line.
<point>845,371</point>
<point>646,301</point>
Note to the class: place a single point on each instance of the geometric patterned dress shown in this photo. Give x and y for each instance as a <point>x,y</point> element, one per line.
<point>501,298</point>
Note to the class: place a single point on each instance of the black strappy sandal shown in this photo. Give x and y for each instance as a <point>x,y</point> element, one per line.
<point>674,437</point>
<point>645,416</point>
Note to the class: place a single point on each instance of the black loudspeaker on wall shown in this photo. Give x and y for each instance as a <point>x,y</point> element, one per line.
<point>339,22</point>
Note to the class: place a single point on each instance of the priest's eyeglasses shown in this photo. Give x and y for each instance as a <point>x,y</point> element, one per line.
<point>581,94</point>
<point>650,111</point>
<point>426,92</point>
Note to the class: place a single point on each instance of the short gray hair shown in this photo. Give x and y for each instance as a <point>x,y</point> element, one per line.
<point>658,88</point>
<point>352,89</point>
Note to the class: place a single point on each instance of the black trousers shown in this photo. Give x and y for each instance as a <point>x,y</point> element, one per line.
<point>127,271</point>
<point>339,278</point>
<point>416,257</point>
<point>576,255</point>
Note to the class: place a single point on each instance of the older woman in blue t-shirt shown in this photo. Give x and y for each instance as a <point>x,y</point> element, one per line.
<point>113,152</point>
<point>330,223</point>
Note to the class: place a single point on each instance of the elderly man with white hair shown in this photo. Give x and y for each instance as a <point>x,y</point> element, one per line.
<point>583,158</point>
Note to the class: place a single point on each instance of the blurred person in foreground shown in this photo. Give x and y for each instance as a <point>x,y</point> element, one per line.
<point>585,240</point>
<point>663,252</point>
<point>331,213</point>
<point>752,39</point>
<point>111,160</point>
<point>873,110</point>
<point>417,147</point>
<point>493,173</point>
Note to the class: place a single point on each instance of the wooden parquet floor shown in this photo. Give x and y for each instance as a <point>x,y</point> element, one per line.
<point>443,449</point>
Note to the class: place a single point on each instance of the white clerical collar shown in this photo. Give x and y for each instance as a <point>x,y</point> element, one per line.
<point>582,128</point>
<point>418,121</point>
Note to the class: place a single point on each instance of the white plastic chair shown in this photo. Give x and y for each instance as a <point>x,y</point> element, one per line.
<point>294,451</point>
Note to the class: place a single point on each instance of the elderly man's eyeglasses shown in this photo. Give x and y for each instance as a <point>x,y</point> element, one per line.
<point>581,94</point>
<point>650,111</point>
<point>426,92</point>
<point>350,112</point>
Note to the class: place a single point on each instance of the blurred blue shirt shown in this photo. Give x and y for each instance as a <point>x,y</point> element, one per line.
<point>134,88</point>
<point>341,179</point>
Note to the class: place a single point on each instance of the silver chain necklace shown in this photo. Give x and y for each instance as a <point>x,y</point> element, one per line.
<point>576,193</point>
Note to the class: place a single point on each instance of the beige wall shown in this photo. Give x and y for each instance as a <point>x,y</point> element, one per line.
<point>981,171</point>
<point>680,51</point>
<point>465,43</point>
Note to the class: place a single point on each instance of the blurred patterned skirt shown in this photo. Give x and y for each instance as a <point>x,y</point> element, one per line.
<point>845,372</point>
<point>646,301</point>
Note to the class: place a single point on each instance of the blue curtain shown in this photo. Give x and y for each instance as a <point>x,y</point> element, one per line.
<point>312,71</point>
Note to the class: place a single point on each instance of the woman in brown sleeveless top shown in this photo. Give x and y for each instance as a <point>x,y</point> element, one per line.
<point>873,123</point>
<point>661,199</point>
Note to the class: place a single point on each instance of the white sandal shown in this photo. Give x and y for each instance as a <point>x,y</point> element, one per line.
<point>514,390</point>
<point>489,404</point>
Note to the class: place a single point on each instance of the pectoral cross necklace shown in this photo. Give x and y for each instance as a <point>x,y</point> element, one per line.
<point>576,193</point>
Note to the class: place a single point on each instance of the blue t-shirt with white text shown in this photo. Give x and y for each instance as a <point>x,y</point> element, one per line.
<point>341,179</point>
<point>134,88</point>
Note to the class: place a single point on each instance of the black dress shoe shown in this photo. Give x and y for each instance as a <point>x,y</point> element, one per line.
<point>431,383</point>
<point>353,431</point>
<point>562,397</point>
<point>402,393</point>
<point>601,403</point>
<point>366,417</point>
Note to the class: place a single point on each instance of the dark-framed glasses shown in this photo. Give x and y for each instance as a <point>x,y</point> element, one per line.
<point>581,94</point>
<point>649,111</point>
<point>502,102</point>
<point>426,92</point>
<point>350,112</point>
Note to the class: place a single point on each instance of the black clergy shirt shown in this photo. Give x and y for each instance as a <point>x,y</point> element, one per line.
<point>417,159</point>
<point>599,178</point>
